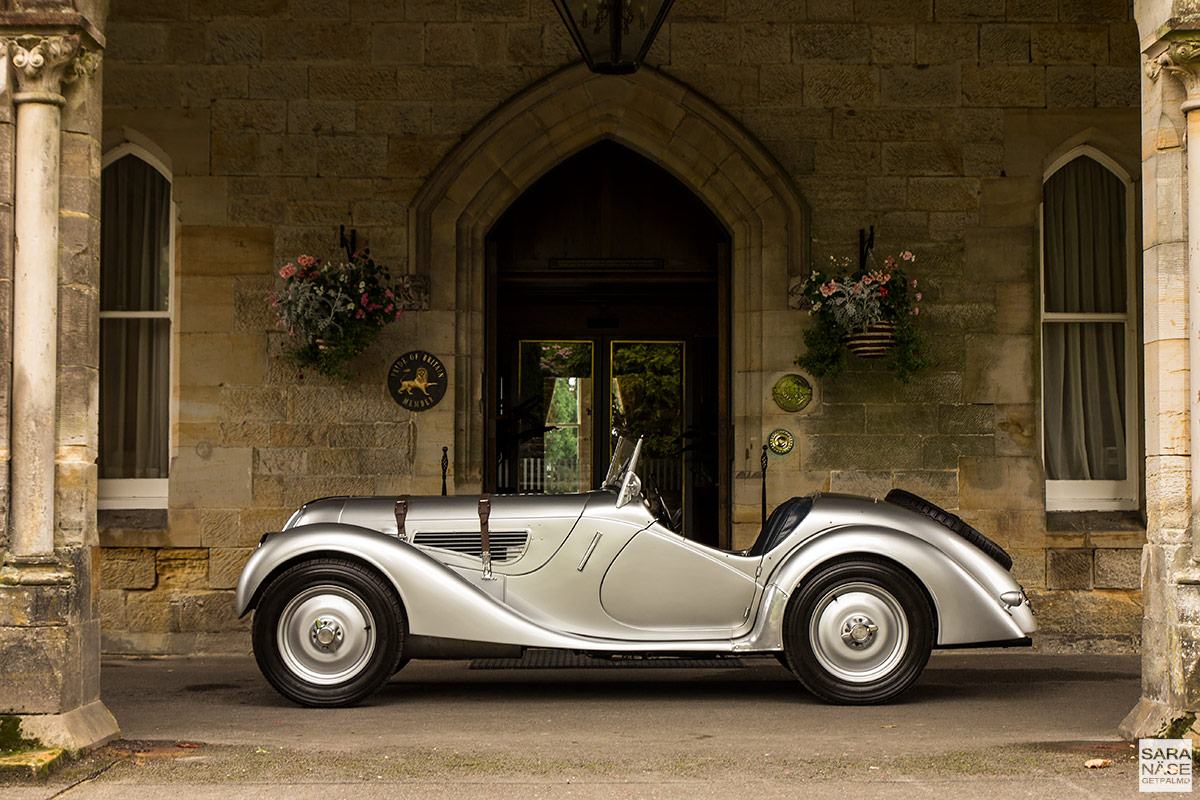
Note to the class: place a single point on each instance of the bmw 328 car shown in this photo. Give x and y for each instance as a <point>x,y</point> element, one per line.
<point>850,593</point>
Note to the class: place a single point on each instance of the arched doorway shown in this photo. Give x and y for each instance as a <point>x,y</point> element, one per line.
<point>607,306</point>
<point>679,130</point>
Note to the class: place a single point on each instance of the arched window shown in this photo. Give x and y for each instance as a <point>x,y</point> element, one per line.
<point>136,257</point>
<point>1089,335</point>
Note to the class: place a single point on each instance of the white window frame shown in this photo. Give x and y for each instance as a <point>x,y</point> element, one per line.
<point>144,493</point>
<point>1098,495</point>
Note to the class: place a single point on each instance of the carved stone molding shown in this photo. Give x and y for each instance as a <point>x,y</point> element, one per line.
<point>43,64</point>
<point>1181,59</point>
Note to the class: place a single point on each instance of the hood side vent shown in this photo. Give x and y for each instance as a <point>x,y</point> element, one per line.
<point>507,546</point>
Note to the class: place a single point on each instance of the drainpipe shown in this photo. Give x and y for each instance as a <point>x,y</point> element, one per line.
<point>39,65</point>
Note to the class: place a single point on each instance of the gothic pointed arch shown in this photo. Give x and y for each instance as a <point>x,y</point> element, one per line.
<point>665,121</point>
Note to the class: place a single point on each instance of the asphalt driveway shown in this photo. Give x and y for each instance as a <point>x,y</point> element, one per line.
<point>977,724</point>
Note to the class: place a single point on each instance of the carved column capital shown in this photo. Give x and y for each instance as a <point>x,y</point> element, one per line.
<point>43,64</point>
<point>1181,59</point>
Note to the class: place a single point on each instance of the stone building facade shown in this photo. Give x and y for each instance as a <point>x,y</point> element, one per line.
<point>420,122</point>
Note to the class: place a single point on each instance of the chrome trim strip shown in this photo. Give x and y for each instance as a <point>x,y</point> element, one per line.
<point>590,550</point>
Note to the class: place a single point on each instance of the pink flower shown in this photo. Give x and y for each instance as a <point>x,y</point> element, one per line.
<point>306,260</point>
<point>398,313</point>
<point>360,314</point>
<point>914,281</point>
<point>915,311</point>
<point>918,296</point>
<point>364,298</point>
<point>388,293</point>
<point>889,262</point>
<point>908,256</point>
<point>887,277</point>
<point>389,308</point>
<point>827,288</point>
<point>287,271</point>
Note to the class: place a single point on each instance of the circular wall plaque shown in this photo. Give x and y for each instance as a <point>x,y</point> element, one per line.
<point>417,380</point>
<point>792,393</point>
<point>781,442</point>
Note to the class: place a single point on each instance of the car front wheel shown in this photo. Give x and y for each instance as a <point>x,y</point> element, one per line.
<point>858,631</point>
<point>328,632</point>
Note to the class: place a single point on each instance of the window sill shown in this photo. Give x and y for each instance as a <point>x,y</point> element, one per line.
<point>1095,528</point>
<point>144,527</point>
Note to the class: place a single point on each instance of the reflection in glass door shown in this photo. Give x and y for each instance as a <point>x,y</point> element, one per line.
<point>553,455</point>
<point>647,399</point>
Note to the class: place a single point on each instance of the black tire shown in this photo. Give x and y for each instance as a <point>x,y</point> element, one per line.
<point>953,522</point>
<point>858,632</point>
<point>342,601</point>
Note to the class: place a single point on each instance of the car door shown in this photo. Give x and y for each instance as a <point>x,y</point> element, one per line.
<point>661,581</point>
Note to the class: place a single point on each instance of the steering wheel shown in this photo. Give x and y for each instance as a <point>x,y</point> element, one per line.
<point>658,504</point>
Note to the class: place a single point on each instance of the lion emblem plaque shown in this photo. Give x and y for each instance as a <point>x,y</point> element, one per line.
<point>417,380</point>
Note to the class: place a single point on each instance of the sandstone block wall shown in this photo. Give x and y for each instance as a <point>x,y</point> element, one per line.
<point>931,121</point>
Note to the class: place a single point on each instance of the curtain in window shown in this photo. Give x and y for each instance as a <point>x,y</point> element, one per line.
<point>134,347</point>
<point>1084,361</point>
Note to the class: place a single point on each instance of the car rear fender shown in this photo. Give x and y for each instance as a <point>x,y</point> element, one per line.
<point>437,600</point>
<point>966,610</point>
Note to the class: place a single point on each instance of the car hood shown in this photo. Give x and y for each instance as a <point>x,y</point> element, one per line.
<point>379,513</point>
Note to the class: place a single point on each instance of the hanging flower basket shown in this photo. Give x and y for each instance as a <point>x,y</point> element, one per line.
<point>874,342</point>
<point>869,312</point>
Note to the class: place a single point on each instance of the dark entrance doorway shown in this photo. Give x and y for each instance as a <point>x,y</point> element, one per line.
<point>608,305</point>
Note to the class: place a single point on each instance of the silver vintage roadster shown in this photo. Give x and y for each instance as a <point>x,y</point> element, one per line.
<point>850,593</point>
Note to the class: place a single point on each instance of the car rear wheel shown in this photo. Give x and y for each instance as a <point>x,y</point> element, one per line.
<point>858,632</point>
<point>328,632</point>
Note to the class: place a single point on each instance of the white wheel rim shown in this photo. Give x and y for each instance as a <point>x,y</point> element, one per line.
<point>326,635</point>
<point>858,632</point>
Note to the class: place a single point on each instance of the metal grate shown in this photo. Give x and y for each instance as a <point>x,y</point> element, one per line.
<point>565,659</point>
<point>505,545</point>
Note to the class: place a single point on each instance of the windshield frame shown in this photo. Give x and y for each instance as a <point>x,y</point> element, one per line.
<point>624,460</point>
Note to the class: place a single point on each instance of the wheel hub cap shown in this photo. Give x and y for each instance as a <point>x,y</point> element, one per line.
<point>858,632</point>
<point>326,634</point>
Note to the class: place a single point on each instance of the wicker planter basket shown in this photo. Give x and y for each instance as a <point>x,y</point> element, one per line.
<point>874,342</point>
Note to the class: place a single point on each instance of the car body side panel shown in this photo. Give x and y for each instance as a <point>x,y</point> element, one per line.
<point>437,601</point>
<point>458,604</point>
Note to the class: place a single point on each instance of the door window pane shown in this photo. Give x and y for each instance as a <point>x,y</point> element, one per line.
<point>555,394</point>
<point>647,400</point>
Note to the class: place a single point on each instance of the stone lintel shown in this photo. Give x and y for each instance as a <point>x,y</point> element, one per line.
<point>78,731</point>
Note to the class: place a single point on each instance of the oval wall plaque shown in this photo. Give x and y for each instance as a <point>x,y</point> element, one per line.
<point>417,380</point>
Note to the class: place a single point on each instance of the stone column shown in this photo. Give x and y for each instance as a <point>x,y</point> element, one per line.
<point>40,67</point>
<point>49,628</point>
<point>1171,263</point>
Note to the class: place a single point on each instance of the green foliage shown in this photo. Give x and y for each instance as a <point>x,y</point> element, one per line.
<point>910,353</point>
<point>649,397</point>
<point>823,356</point>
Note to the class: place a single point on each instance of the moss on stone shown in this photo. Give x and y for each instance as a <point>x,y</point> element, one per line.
<point>1178,727</point>
<point>10,736</point>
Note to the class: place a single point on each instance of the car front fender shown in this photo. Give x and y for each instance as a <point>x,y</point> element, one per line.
<point>966,598</point>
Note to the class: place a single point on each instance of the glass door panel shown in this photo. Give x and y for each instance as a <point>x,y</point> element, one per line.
<point>554,387</point>
<point>647,398</point>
